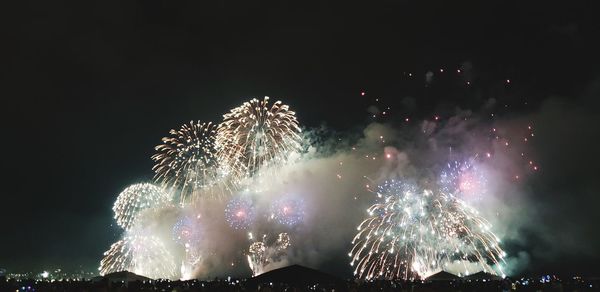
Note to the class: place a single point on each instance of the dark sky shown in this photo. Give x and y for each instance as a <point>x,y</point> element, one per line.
<point>89,89</point>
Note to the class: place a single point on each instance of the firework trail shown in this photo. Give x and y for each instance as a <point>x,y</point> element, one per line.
<point>186,162</point>
<point>135,199</point>
<point>142,255</point>
<point>262,253</point>
<point>255,136</point>
<point>412,233</point>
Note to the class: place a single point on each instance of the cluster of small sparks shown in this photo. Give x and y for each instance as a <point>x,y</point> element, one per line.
<point>506,141</point>
<point>464,179</point>
<point>255,136</point>
<point>287,211</point>
<point>187,230</point>
<point>502,139</point>
<point>413,232</point>
<point>240,213</point>
<point>135,199</point>
<point>142,255</point>
<point>261,253</point>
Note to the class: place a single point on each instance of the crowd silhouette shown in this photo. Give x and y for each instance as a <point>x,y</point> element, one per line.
<point>533,285</point>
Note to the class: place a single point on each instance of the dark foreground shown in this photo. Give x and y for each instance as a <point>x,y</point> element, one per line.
<point>575,284</point>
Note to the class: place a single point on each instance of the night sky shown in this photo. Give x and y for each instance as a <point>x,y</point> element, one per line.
<point>90,88</point>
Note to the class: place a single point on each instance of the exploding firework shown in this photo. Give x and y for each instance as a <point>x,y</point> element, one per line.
<point>463,179</point>
<point>255,136</point>
<point>263,253</point>
<point>137,198</point>
<point>187,230</point>
<point>287,211</point>
<point>412,233</point>
<point>142,255</point>
<point>240,213</point>
<point>186,162</point>
<point>257,257</point>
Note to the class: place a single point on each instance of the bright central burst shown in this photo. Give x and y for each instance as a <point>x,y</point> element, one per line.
<point>413,232</point>
<point>194,164</point>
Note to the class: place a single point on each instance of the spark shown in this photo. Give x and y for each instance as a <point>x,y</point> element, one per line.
<point>464,179</point>
<point>187,230</point>
<point>288,211</point>
<point>411,231</point>
<point>135,199</point>
<point>255,136</point>
<point>186,162</point>
<point>240,213</point>
<point>142,255</point>
<point>261,253</point>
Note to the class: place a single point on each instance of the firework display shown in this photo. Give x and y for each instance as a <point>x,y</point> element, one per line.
<point>256,162</point>
<point>464,179</point>
<point>136,198</point>
<point>261,253</point>
<point>186,162</point>
<point>187,230</point>
<point>200,160</point>
<point>257,135</point>
<point>240,213</point>
<point>142,255</point>
<point>412,233</point>
<point>287,211</point>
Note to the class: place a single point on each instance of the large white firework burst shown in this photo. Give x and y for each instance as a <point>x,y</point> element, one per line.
<point>135,199</point>
<point>186,162</point>
<point>412,233</point>
<point>142,255</point>
<point>257,135</point>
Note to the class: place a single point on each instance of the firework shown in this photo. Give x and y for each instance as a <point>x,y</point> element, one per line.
<point>136,198</point>
<point>463,179</point>
<point>187,230</point>
<point>257,257</point>
<point>287,211</point>
<point>186,162</point>
<point>412,233</point>
<point>255,136</point>
<point>240,213</point>
<point>142,255</point>
<point>262,253</point>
